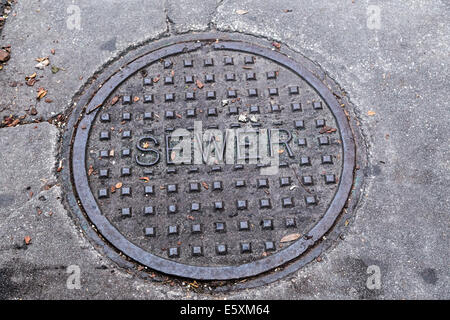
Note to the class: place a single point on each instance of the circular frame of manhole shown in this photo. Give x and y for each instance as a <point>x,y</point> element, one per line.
<point>90,111</point>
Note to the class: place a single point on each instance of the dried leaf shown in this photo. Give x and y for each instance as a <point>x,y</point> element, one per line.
<point>199,84</point>
<point>276,45</point>
<point>371,113</point>
<point>145,179</point>
<point>91,170</point>
<point>241,12</point>
<point>205,185</point>
<point>145,145</point>
<point>41,93</point>
<point>114,100</point>
<point>55,69</point>
<point>291,237</point>
<point>327,129</point>
<point>136,99</point>
<point>118,185</point>
<point>27,240</point>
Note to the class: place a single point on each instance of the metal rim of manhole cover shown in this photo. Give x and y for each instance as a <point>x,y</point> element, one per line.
<point>216,220</point>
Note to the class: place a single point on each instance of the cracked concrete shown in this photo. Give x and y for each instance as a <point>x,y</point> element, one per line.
<point>399,71</point>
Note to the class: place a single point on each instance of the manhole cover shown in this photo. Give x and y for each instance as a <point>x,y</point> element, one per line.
<point>222,213</point>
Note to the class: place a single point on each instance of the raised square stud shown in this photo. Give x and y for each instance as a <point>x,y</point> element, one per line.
<point>218,205</point>
<point>221,249</point>
<point>149,211</point>
<point>172,209</point>
<point>220,227</point>
<point>150,232</point>
<point>305,161</point>
<point>125,212</point>
<point>285,181</point>
<point>103,193</point>
<point>197,251</point>
<point>330,179</point>
<point>287,202</point>
<point>194,187</point>
<point>317,105</point>
<point>228,61</point>
<point>217,186</point>
<point>172,188</point>
<point>307,180</point>
<point>241,204</point>
<point>293,90</point>
<point>105,117</point>
<point>246,247</point>
<point>244,226</point>
<point>273,91</point>
<point>125,191</point>
<point>327,159</point>
<point>172,230</point>
<point>296,107</point>
<point>125,171</point>
<point>271,75</point>
<point>290,222</point>
<point>195,207</point>
<point>269,246</point>
<point>262,183</point>
<point>310,200</point>
<point>267,224</point>
<point>196,228</point>
<point>323,141</point>
<point>148,190</point>
<point>265,204</point>
<point>174,252</point>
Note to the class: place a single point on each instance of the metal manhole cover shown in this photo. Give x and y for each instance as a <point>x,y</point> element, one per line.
<point>222,213</point>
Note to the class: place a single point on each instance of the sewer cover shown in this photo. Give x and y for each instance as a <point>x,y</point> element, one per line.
<point>204,217</point>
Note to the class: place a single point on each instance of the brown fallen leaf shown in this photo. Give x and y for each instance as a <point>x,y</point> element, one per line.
<point>156,79</point>
<point>114,100</point>
<point>371,113</point>
<point>327,129</point>
<point>27,240</point>
<point>136,99</point>
<point>276,45</point>
<point>53,51</point>
<point>118,185</point>
<point>145,145</point>
<point>31,82</point>
<point>199,84</point>
<point>113,189</point>
<point>48,100</point>
<point>41,93</point>
<point>90,170</point>
<point>145,179</point>
<point>205,185</point>
<point>290,237</point>
<point>241,12</point>
<point>4,55</point>
<point>190,217</point>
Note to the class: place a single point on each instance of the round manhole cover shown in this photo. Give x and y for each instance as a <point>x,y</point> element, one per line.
<point>213,160</point>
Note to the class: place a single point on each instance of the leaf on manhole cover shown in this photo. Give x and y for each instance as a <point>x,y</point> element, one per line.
<point>199,84</point>
<point>145,179</point>
<point>276,45</point>
<point>114,100</point>
<point>327,129</point>
<point>118,185</point>
<point>27,240</point>
<point>41,93</point>
<point>241,12</point>
<point>290,237</point>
